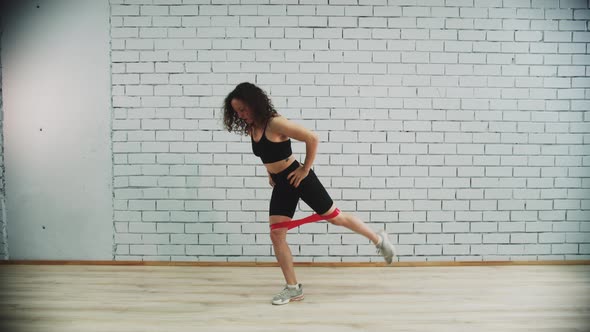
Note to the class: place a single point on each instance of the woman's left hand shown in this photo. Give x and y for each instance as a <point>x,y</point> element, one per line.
<point>297,176</point>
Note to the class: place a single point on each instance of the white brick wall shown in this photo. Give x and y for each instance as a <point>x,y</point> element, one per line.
<point>461,127</point>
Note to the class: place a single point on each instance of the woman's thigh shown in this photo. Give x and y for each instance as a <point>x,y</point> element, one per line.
<point>313,193</point>
<point>283,201</point>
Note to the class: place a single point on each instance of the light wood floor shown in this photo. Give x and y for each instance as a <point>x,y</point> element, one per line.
<point>183,298</point>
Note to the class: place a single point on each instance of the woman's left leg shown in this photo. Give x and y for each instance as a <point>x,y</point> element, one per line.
<point>315,195</point>
<point>354,224</point>
<point>381,240</point>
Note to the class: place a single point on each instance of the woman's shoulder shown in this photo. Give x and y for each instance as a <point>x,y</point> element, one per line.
<point>277,119</point>
<point>278,124</point>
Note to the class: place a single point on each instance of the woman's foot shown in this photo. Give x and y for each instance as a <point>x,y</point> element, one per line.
<point>385,248</point>
<point>288,294</point>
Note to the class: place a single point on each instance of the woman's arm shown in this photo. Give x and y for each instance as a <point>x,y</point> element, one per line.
<point>300,133</point>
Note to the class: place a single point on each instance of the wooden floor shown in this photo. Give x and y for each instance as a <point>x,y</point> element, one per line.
<point>183,298</point>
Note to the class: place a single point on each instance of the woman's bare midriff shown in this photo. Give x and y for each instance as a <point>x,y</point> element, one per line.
<point>279,166</point>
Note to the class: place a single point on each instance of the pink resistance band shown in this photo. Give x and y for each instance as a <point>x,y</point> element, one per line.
<point>313,218</point>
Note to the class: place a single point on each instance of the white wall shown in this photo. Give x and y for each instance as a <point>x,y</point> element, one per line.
<point>461,126</point>
<point>57,139</point>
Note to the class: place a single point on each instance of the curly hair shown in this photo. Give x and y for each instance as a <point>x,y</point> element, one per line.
<point>258,102</point>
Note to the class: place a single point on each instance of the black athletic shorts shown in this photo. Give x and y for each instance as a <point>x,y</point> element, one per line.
<point>284,197</point>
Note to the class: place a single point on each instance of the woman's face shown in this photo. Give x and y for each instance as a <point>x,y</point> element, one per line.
<point>242,110</point>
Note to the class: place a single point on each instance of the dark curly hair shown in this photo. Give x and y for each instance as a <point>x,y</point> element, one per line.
<point>258,102</point>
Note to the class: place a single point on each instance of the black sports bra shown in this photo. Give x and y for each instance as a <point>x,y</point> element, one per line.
<point>271,152</point>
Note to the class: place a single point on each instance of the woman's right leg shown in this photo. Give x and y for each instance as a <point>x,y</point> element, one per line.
<point>282,209</point>
<point>282,250</point>
<point>283,203</point>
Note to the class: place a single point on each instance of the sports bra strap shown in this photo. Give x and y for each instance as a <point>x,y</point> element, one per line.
<point>266,125</point>
<point>263,132</point>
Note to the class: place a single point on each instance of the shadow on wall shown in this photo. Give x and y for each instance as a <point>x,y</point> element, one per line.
<point>11,12</point>
<point>57,155</point>
<point>4,255</point>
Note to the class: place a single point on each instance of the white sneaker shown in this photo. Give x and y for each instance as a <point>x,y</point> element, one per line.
<point>385,248</point>
<point>287,295</point>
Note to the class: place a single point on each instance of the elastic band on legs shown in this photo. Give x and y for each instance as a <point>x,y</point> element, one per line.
<point>312,218</point>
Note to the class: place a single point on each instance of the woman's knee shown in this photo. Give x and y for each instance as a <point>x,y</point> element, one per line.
<point>278,235</point>
<point>339,220</point>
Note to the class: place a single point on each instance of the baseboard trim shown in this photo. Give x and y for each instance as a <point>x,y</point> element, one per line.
<point>271,264</point>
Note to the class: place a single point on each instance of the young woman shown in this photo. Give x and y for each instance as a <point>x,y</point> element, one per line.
<point>249,111</point>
